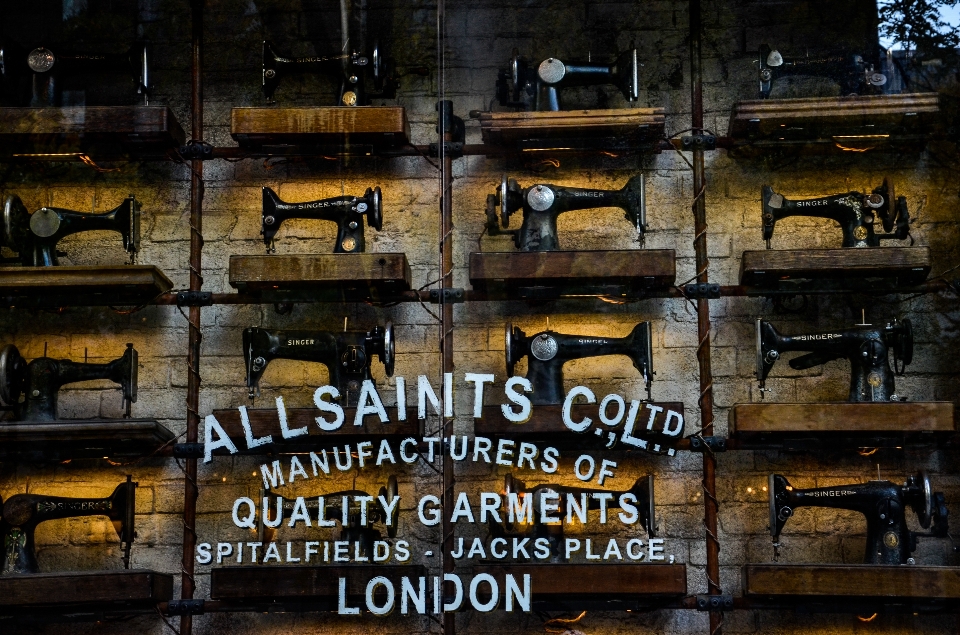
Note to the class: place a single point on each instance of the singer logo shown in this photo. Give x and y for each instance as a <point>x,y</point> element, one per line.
<point>300,342</point>
<point>813,203</point>
<point>831,492</point>
<point>817,337</point>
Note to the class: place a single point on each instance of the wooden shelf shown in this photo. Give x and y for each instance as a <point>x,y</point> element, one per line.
<point>863,589</point>
<point>89,285</point>
<point>88,592</point>
<point>300,588</point>
<point>854,269</point>
<point>321,277</point>
<point>832,124</point>
<point>554,274</point>
<point>825,426</point>
<point>546,425</point>
<point>266,421</point>
<point>334,129</point>
<point>597,587</point>
<point>98,131</point>
<point>80,439</point>
<point>619,127</point>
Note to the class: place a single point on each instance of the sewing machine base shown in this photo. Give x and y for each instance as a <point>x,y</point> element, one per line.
<point>552,274</point>
<point>628,127</point>
<point>826,426</point>
<point>379,127</point>
<point>834,124</point>
<point>76,593</point>
<point>80,439</point>
<point>264,421</point>
<point>321,277</point>
<point>546,426</point>
<point>102,132</point>
<point>862,589</point>
<point>88,285</point>
<point>806,269</point>
<point>577,587</point>
<point>264,588</point>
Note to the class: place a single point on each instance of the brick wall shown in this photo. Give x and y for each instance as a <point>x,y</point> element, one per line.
<point>479,38</point>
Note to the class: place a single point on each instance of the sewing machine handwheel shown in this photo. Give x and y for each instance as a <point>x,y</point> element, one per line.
<point>925,515</point>
<point>888,214</point>
<point>16,223</point>
<point>11,367</point>
<point>389,349</point>
<point>512,339</point>
<point>504,206</point>
<point>375,213</point>
<point>903,347</point>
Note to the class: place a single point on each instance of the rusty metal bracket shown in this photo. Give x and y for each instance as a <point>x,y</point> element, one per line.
<point>453,295</point>
<point>702,291</point>
<point>185,607</point>
<point>194,298</point>
<point>705,444</point>
<point>705,142</point>
<point>714,602</point>
<point>188,451</point>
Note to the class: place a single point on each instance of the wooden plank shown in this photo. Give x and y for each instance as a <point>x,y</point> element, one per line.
<point>837,581</point>
<point>84,438</point>
<point>87,285</point>
<point>71,590</point>
<point>265,421</point>
<point>834,124</point>
<point>768,267</point>
<point>385,126</point>
<point>144,128</point>
<point>301,582</point>
<point>546,424</point>
<point>639,124</point>
<point>603,580</point>
<point>632,268</point>
<point>842,417</point>
<point>320,277</point>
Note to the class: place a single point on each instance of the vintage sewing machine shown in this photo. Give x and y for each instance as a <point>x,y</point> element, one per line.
<point>361,77</point>
<point>40,381</point>
<point>23,512</point>
<point>855,75</point>
<point>46,69</point>
<point>521,86</point>
<point>548,351</point>
<point>884,504</point>
<point>867,347</point>
<point>348,212</point>
<point>347,355</point>
<point>642,490</point>
<point>543,203</point>
<point>855,212</point>
<point>355,529</point>
<point>35,236</point>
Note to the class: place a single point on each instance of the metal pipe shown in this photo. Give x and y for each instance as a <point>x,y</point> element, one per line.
<point>703,317</point>
<point>188,582</point>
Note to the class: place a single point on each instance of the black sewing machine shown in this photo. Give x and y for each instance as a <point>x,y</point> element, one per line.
<point>642,489</point>
<point>348,212</point>
<point>347,355</point>
<point>855,212</point>
<point>855,75</point>
<point>523,87</point>
<point>866,346</point>
<point>45,69</point>
<point>884,504</point>
<point>355,530</point>
<point>23,512</point>
<point>547,352</point>
<point>543,203</point>
<point>40,381</point>
<point>353,70</point>
<point>35,236</point>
